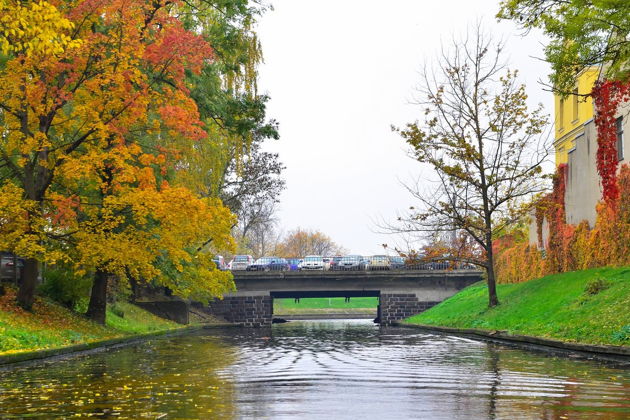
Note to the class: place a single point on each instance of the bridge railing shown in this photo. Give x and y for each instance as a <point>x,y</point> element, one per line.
<point>435,265</point>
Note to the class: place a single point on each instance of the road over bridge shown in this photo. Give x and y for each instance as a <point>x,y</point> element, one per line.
<point>401,293</point>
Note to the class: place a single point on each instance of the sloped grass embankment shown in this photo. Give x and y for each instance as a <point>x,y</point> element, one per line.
<point>50,325</point>
<point>591,307</point>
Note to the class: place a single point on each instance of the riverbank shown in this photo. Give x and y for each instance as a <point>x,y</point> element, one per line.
<point>589,307</point>
<point>52,326</point>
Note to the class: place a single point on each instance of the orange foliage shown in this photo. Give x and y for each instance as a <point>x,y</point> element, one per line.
<point>572,247</point>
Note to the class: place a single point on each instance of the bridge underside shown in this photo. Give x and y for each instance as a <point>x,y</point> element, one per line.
<point>401,295</point>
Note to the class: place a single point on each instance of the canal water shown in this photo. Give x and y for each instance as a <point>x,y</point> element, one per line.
<point>338,369</point>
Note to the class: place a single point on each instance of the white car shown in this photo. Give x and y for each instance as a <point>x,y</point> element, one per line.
<point>313,262</point>
<point>241,262</point>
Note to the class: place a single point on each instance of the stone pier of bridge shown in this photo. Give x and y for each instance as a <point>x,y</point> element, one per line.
<point>401,294</point>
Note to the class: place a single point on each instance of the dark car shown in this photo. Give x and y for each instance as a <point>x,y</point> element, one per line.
<point>397,263</point>
<point>334,262</point>
<point>269,264</point>
<point>294,263</point>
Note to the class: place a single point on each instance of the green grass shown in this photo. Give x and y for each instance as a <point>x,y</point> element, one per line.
<point>51,325</point>
<point>316,306</point>
<point>340,303</point>
<point>591,306</point>
<point>135,320</point>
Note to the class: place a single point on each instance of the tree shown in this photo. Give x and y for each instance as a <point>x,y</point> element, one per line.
<point>263,237</point>
<point>583,33</point>
<point>78,82</point>
<point>485,148</point>
<point>301,242</point>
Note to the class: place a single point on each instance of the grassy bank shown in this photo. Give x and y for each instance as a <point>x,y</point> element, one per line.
<point>317,306</point>
<point>50,325</point>
<point>591,306</point>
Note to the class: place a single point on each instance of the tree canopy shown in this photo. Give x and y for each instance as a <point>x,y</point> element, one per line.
<point>121,121</point>
<point>583,33</point>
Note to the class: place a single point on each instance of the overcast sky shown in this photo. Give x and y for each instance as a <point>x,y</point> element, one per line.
<point>339,74</point>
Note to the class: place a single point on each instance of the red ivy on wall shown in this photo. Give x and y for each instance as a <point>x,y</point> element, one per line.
<point>607,96</point>
<point>557,224</point>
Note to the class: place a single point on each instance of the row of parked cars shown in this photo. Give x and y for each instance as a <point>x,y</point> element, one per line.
<point>312,262</point>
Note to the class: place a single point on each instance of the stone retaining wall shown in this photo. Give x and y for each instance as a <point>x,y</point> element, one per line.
<point>247,311</point>
<point>394,307</point>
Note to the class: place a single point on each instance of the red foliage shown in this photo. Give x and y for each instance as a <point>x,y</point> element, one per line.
<point>559,231</point>
<point>607,97</point>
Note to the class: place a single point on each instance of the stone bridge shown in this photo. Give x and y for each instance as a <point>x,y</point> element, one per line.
<point>401,293</point>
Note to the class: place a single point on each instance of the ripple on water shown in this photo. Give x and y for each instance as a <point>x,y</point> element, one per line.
<point>334,369</point>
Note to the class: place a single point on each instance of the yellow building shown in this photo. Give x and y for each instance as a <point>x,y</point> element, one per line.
<point>571,114</point>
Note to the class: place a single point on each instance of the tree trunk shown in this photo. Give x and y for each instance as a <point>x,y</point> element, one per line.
<point>493,299</point>
<point>98,299</point>
<point>26,292</point>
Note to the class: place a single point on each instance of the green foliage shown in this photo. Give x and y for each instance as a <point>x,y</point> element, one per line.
<point>554,306</point>
<point>583,34</point>
<point>61,284</point>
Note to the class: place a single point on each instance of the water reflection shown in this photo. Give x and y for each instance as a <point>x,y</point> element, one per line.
<point>175,378</point>
<point>311,369</point>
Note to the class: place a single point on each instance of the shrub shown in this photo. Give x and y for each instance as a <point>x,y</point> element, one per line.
<point>571,247</point>
<point>595,286</point>
<point>64,286</point>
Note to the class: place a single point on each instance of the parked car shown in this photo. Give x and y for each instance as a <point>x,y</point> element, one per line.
<point>365,263</point>
<point>294,263</point>
<point>350,262</point>
<point>396,263</point>
<point>438,265</point>
<point>219,261</point>
<point>8,266</point>
<point>241,262</point>
<point>379,262</point>
<point>313,262</point>
<point>334,263</point>
<point>327,262</point>
<point>269,264</point>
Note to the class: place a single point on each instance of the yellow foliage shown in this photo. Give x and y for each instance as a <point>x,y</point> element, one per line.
<point>34,28</point>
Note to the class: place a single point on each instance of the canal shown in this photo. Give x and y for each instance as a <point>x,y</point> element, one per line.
<point>340,369</point>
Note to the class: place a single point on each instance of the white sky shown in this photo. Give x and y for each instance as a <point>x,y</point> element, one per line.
<point>339,74</point>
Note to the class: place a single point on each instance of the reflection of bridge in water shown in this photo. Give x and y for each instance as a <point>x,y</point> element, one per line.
<point>401,293</point>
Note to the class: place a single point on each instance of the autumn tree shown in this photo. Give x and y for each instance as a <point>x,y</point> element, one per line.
<point>301,242</point>
<point>78,83</point>
<point>582,34</point>
<point>483,144</point>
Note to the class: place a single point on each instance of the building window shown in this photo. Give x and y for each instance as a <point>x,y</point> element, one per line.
<point>619,124</point>
<point>576,104</point>
<point>561,113</point>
